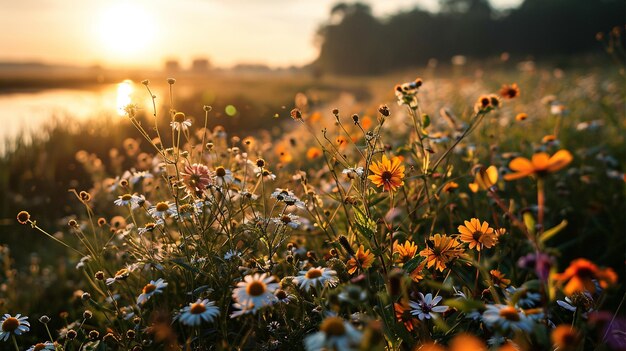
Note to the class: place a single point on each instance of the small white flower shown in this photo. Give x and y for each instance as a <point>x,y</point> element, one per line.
<point>316,276</point>
<point>230,254</point>
<point>255,291</point>
<point>353,172</point>
<point>506,318</point>
<point>10,325</point>
<point>427,306</point>
<point>334,334</point>
<point>288,219</point>
<point>154,287</point>
<point>162,210</point>
<point>196,312</point>
<point>42,346</point>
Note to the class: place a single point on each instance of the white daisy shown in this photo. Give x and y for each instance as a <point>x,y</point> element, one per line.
<point>154,287</point>
<point>10,325</point>
<point>198,311</point>
<point>334,334</point>
<point>223,176</point>
<point>316,276</point>
<point>42,346</point>
<point>506,317</point>
<point>288,220</point>
<point>150,227</point>
<point>353,172</point>
<point>427,307</point>
<point>256,290</point>
<point>180,122</point>
<point>162,210</point>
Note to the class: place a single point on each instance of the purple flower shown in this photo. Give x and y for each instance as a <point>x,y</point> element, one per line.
<point>427,307</point>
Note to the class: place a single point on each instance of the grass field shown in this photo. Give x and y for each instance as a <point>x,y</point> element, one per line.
<point>481,206</point>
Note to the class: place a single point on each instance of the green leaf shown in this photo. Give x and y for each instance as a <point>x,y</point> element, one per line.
<point>366,226</point>
<point>464,305</point>
<point>529,221</point>
<point>425,120</point>
<point>412,264</point>
<point>179,262</point>
<point>552,231</point>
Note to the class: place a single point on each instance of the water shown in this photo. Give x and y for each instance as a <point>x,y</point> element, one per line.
<point>29,111</point>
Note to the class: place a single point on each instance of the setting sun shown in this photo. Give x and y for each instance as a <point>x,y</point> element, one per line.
<point>126,29</point>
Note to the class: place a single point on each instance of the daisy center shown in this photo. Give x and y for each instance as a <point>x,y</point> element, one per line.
<point>585,273</point>
<point>197,308</point>
<point>179,117</point>
<point>220,172</point>
<point>149,288</point>
<point>281,294</point>
<point>509,313</point>
<point>10,324</point>
<point>162,206</point>
<point>386,175</point>
<point>127,197</point>
<point>285,219</point>
<point>476,236</point>
<point>39,346</point>
<point>333,326</point>
<point>256,288</point>
<point>313,273</point>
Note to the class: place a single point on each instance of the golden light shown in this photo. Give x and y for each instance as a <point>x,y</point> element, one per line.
<point>126,29</point>
<point>124,93</point>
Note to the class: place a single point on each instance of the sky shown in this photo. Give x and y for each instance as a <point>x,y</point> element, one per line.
<point>144,33</point>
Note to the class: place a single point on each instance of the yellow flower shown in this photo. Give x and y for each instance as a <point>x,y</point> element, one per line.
<point>365,260</point>
<point>484,179</point>
<point>477,234</point>
<point>441,250</point>
<point>540,164</point>
<point>405,251</point>
<point>387,173</point>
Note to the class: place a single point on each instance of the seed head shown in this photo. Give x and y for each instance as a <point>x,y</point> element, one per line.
<point>23,217</point>
<point>99,275</point>
<point>44,319</point>
<point>171,81</point>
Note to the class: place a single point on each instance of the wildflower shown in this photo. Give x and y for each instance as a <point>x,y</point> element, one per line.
<point>484,179</point>
<point>582,300</point>
<point>498,278</point>
<point>223,175</point>
<point>256,290</point>
<point>441,250</point>
<point>296,114</point>
<point>288,198</point>
<point>154,287</point>
<point>506,317</point>
<point>509,91</point>
<point>403,315</point>
<point>149,227</point>
<point>465,342</point>
<point>231,254</point>
<point>334,334</point>
<point>580,276</point>
<point>179,122</point>
<point>10,325</point>
<point>196,312</point>
<point>541,164</point>
<point>477,234</point>
<point>405,251</point>
<point>388,173</point>
<point>42,346</point>
<point>541,263</point>
<point>196,177</point>
<point>352,294</point>
<point>23,217</point>
<point>313,153</point>
<point>521,116</point>
<point>122,274</point>
<point>450,186</point>
<point>427,306</point>
<point>288,219</point>
<point>364,259</point>
<point>486,103</point>
<point>353,172</point>
<point>316,276</point>
<point>565,338</point>
<point>162,210</point>
<point>406,94</point>
<point>265,173</point>
<point>282,296</point>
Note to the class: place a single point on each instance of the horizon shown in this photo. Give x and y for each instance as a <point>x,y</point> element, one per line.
<point>124,34</point>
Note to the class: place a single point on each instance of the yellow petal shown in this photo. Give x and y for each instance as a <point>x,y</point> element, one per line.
<point>559,160</point>
<point>540,161</point>
<point>521,164</point>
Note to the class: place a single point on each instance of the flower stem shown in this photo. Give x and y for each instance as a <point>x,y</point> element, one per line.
<point>540,203</point>
<point>17,348</point>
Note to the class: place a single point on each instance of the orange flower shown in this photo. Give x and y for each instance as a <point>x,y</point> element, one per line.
<point>418,273</point>
<point>565,337</point>
<point>540,164</point>
<point>478,235</point>
<point>509,91</point>
<point>467,342</point>
<point>580,275</point>
<point>498,279</point>
<point>404,316</point>
<point>388,173</point>
<point>450,186</point>
<point>484,179</point>
<point>521,116</point>
<point>313,153</point>
<point>405,251</point>
<point>365,260</point>
<point>441,250</point>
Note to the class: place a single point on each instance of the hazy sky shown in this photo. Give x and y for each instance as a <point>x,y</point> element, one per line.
<point>146,32</point>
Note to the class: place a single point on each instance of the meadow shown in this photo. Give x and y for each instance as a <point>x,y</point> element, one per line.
<point>465,207</point>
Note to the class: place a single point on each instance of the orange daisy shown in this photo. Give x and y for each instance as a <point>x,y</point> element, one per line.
<point>484,179</point>
<point>540,164</point>
<point>365,260</point>
<point>477,234</point>
<point>441,250</point>
<point>388,173</point>
<point>580,275</point>
<point>509,91</point>
<point>565,337</point>
<point>498,278</point>
<point>405,251</point>
<point>403,315</point>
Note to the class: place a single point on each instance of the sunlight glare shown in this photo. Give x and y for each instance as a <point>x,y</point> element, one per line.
<point>126,29</point>
<point>124,92</point>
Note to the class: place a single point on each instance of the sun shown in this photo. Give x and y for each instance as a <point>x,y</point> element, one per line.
<point>126,30</point>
